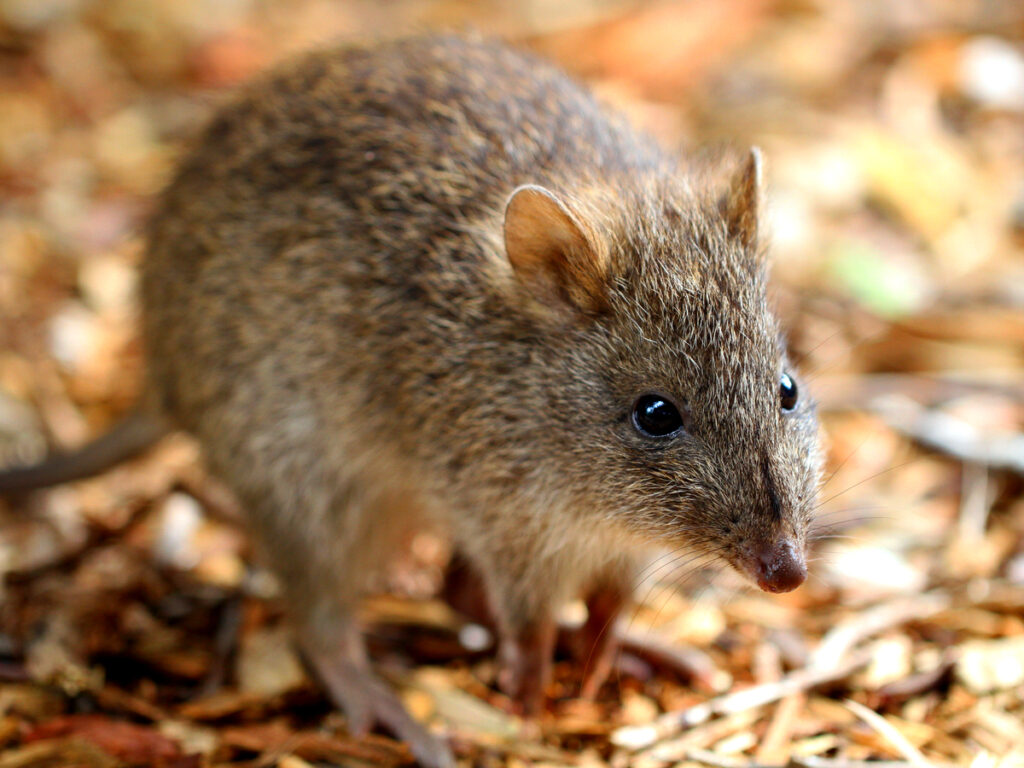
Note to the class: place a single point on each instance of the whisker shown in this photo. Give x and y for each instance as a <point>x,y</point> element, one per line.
<point>695,565</point>
<point>865,480</point>
<point>677,584</point>
<point>682,561</point>
<point>640,577</point>
<point>835,537</point>
<point>799,362</point>
<point>815,373</point>
<point>843,462</point>
<point>835,522</point>
<point>676,562</point>
<point>676,555</point>
<point>692,564</point>
<point>858,508</point>
<point>840,523</point>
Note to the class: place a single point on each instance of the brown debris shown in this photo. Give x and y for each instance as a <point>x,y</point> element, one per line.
<point>137,627</point>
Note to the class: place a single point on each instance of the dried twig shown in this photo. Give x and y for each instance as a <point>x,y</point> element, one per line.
<point>716,760</point>
<point>707,757</point>
<point>975,503</point>
<point>778,737</point>
<point>813,761</point>
<point>950,435</point>
<point>688,661</point>
<point>840,639</point>
<point>861,390</point>
<point>672,723</point>
<point>919,682</point>
<point>831,661</point>
<point>890,733</point>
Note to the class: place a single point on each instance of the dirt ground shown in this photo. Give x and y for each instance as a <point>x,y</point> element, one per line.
<point>137,629</point>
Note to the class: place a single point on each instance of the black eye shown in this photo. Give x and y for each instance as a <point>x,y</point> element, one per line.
<point>787,392</point>
<point>654,416</point>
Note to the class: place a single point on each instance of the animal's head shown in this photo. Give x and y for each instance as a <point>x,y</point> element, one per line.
<point>684,420</point>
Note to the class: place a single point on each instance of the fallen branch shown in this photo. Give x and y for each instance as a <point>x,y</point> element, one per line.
<point>668,725</point>
<point>838,641</point>
<point>706,757</point>
<point>949,435</point>
<point>890,733</point>
<point>860,391</point>
<point>833,660</point>
<point>691,662</point>
<point>813,761</point>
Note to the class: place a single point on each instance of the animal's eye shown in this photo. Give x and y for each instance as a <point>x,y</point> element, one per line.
<point>787,392</point>
<point>654,416</point>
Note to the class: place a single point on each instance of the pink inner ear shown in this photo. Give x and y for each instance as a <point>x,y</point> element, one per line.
<point>550,251</point>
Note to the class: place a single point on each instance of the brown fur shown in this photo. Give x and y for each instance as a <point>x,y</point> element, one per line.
<point>330,310</point>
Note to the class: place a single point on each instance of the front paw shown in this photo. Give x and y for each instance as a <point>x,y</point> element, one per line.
<point>524,669</point>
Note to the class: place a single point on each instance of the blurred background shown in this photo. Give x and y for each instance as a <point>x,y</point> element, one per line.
<point>894,139</point>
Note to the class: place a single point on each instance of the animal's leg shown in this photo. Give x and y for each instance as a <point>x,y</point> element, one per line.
<point>596,642</point>
<point>523,589</point>
<point>525,655</point>
<point>526,652</point>
<point>465,591</point>
<point>323,536</point>
<point>338,658</point>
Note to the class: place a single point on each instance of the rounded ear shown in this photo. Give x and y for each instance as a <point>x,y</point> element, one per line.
<point>742,200</point>
<point>552,252</point>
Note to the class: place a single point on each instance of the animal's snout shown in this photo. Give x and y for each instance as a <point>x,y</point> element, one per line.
<point>780,567</point>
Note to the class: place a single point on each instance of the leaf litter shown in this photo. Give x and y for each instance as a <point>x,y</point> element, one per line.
<point>136,626</point>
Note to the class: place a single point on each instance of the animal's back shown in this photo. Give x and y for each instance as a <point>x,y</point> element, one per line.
<point>415,136</point>
<point>326,285</point>
<point>353,195</point>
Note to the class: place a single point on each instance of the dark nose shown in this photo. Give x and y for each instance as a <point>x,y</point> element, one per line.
<point>781,567</point>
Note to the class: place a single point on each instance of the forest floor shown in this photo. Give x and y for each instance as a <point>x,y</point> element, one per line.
<point>137,629</point>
